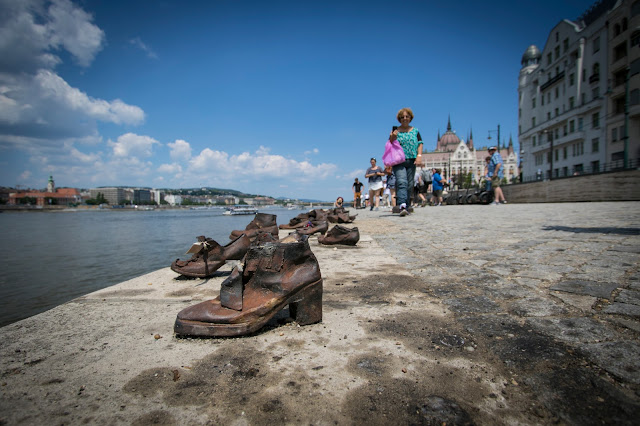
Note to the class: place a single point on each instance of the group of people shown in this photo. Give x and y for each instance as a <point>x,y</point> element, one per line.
<point>408,180</point>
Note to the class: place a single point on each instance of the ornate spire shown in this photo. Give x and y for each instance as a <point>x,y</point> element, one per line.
<point>449,124</point>
<point>470,140</point>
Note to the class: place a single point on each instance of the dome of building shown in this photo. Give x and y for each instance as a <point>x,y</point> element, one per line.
<point>531,56</point>
<point>449,141</point>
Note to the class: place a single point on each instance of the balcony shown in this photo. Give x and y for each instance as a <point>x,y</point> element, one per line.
<point>553,80</point>
<point>594,78</point>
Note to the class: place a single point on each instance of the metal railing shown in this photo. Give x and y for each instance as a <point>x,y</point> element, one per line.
<point>613,166</point>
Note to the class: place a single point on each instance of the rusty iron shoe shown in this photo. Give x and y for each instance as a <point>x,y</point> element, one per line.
<point>262,222</point>
<point>340,235</point>
<point>271,276</point>
<point>341,218</point>
<point>211,257</point>
<point>314,227</point>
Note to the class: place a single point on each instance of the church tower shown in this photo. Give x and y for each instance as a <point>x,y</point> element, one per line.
<point>51,186</point>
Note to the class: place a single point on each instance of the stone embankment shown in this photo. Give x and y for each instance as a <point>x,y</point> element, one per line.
<point>506,314</point>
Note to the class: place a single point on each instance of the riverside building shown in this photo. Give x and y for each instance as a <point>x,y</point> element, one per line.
<point>455,157</point>
<point>569,95</point>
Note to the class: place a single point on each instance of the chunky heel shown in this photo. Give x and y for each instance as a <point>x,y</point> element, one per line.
<point>306,308</point>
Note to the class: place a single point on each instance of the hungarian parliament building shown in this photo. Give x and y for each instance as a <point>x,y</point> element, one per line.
<point>455,156</point>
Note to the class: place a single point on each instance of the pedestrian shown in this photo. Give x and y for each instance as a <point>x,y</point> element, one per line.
<point>487,183</point>
<point>385,192</point>
<point>357,193</point>
<point>374,174</point>
<point>338,203</point>
<point>438,185</point>
<point>391,184</point>
<point>496,172</point>
<point>411,142</point>
<point>419,187</point>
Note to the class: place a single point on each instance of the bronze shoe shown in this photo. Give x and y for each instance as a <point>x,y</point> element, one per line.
<point>211,257</point>
<point>340,218</point>
<point>313,227</point>
<point>262,222</point>
<point>340,235</point>
<point>271,276</point>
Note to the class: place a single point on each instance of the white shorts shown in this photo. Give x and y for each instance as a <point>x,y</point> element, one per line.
<point>375,186</point>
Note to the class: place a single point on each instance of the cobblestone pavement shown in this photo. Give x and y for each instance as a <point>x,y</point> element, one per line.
<point>553,287</point>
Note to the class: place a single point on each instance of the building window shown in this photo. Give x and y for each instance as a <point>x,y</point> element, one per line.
<point>556,133</point>
<point>635,38</point>
<point>548,115</point>
<point>595,93</point>
<point>621,132</point>
<point>564,130</point>
<point>564,152</point>
<point>595,145</point>
<point>534,140</point>
<point>557,111</point>
<point>618,105</point>
<point>635,8</point>
<point>557,36</point>
<point>533,122</point>
<point>572,78</point>
<point>565,45</point>
<point>519,112</point>
<point>572,126</point>
<point>595,121</point>
<point>595,166</point>
<point>549,59</point>
<point>549,97</point>
<point>620,51</point>
<point>619,78</point>
<point>614,134</point>
<point>596,44</point>
<point>572,102</point>
<point>555,154</point>
<point>634,97</point>
<point>583,98</point>
<point>616,30</point>
<point>557,51</point>
<point>533,102</point>
<point>580,123</point>
<point>565,171</point>
<point>557,93</point>
<point>625,24</point>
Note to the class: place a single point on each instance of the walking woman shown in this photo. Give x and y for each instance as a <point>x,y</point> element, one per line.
<point>411,142</point>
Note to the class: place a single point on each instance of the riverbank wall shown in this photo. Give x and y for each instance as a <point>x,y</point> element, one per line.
<point>457,314</point>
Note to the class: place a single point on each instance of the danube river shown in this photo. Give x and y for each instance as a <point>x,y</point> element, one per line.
<point>52,257</point>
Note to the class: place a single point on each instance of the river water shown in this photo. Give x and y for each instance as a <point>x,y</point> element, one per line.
<point>52,257</point>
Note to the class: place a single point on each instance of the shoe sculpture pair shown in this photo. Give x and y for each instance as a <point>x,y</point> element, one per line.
<point>302,219</point>
<point>209,256</point>
<point>272,275</point>
<point>340,235</point>
<point>262,222</point>
<point>340,215</point>
<point>313,227</point>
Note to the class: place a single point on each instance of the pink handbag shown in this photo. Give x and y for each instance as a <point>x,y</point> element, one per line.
<point>393,153</point>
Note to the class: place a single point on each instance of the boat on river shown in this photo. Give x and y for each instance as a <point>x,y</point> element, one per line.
<point>237,210</point>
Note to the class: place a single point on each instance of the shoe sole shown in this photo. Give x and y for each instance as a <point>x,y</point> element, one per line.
<point>305,307</point>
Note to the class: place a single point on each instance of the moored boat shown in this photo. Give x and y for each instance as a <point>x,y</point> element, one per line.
<point>237,210</point>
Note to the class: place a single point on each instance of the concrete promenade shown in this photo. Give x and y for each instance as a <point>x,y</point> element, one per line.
<point>511,314</point>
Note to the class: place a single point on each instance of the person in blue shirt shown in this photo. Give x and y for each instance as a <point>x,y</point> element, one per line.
<point>496,172</point>
<point>438,185</point>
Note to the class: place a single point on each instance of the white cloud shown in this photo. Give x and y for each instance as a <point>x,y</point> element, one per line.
<point>36,104</point>
<point>55,88</point>
<point>71,28</point>
<point>219,164</point>
<point>170,168</point>
<point>180,150</point>
<point>32,33</point>
<point>132,145</point>
<point>25,175</point>
<point>313,151</point>
<point>137,42</point>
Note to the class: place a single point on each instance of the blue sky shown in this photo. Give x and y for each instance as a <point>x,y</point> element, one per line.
<point>280,98</point>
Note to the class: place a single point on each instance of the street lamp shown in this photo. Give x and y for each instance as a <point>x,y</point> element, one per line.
<point>498,135</point>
